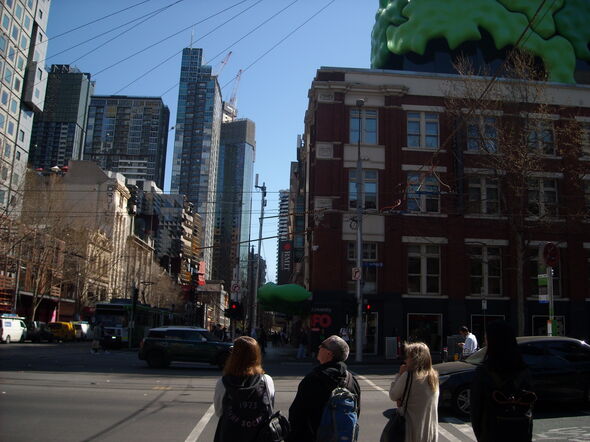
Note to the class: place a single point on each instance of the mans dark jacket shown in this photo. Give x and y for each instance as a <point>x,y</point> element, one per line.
<point>314,391</point>
<point>483,417</point>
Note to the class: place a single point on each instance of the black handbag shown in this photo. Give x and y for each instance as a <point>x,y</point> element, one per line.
<point>395,429</point>
<point>276,427</point>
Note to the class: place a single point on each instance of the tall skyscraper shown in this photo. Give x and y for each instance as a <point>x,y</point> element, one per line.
<point>128,135</point>
<point>234,199</point>
<point>60,130</point>
<point>23,44</point>
<point>196,143</point>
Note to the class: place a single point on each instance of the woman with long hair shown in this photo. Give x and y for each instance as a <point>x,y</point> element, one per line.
<point>420,404</point>
<point>244,395</point>
<point>502,383</point>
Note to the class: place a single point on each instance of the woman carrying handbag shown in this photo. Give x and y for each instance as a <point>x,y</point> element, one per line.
<point>415,390</point>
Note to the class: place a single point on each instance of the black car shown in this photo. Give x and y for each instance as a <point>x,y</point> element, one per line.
<point>39,332</point>
<point>187,344</point>
<point>559,366</point>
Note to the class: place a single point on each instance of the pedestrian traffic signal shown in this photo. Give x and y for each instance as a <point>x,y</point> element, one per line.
<point>367,307</point>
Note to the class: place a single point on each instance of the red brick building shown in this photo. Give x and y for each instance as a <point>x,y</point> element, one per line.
<point>437,235</point>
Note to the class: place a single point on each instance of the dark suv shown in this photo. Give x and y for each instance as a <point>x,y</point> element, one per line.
<point>163,345</point>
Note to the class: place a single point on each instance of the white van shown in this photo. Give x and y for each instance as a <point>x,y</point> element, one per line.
<point>12,328</point>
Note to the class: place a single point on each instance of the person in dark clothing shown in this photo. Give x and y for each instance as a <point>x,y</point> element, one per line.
<point>244,396</point>
<point>503,367</point>
<point>315,389</point>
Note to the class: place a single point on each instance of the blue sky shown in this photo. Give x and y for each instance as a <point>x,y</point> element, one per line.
<point>273,89</point>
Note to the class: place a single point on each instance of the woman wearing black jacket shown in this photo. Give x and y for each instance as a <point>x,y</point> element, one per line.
<point>244,395</point>
<point>494,415</point>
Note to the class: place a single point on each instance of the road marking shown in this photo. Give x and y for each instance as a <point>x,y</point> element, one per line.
<point>461,426</point>
<point>194,436</point>
<point>441,430</point>
<point>161,388</point>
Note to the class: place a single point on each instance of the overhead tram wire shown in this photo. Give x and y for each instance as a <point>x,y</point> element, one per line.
<point>179,52</point>
<point>282,40</point>
<point>109,31</point>
<point>97,20</point>
<point>148,17</point>
<point>172,35</point>
<point>239,40</point>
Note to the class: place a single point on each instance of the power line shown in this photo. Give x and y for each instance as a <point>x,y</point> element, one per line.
<point>97,20</point>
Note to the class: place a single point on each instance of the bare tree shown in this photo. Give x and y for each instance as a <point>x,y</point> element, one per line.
<point>512,136</point>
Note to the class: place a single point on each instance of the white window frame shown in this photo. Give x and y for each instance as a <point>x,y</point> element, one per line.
<point>484,184</point>
<point>418,192</point>
<point>482,140</point>
<point>541,187</point>
<point>369,121</point>
<point>424,252</point>
<point>370,176</point>
<point>538,145</point>
<point>423,119</point>
<point>483,254</point>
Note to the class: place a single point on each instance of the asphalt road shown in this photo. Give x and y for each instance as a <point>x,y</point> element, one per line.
<point>61,392</point>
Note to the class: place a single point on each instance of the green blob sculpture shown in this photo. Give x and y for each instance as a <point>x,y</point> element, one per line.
<point>557,33</point>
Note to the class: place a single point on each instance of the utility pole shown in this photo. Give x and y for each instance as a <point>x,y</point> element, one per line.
<point>359,239</point>
<point>257,268</point>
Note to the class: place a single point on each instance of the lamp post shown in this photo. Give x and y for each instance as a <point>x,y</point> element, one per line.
<point>257,266</point>
<point>359,239</point>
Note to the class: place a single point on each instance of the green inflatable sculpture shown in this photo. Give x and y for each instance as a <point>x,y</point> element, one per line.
<point>286,298</point>
<point>556,31</point>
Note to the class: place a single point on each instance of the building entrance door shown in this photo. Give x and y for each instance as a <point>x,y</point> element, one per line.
<point>426,328</point>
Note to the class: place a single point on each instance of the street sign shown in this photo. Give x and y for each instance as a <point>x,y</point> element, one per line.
<point>543,299</point>
<point>235,288</point>
<point>356,274</point>
<point>484,304</point>
<point>551,254</point>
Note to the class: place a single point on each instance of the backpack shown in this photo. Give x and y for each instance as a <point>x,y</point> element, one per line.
<point>512,408</point>
<point>245,411</point>
<point>339,420</point>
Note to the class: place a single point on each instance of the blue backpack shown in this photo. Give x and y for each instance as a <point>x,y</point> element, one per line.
<point>339,421</point>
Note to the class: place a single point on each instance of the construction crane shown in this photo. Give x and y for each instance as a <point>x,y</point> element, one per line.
<point>222,64</point>
<point>234,93</point>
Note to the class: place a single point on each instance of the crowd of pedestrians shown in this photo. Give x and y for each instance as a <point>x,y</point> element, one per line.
<point>327,402</point>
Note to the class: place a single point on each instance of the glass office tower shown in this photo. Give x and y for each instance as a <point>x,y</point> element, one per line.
<point>196,142</point>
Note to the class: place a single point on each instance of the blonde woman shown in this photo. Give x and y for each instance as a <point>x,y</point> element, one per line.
<point>422,400</point>
<point>244,396</point>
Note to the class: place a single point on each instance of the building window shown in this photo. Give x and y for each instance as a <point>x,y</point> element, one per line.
<point>424,269</point>
<point>423,193</point>
<point>534,273</point>
<point>482,134</point>
<point>369,266</point>
<point>365,120</point>
<point>540,137</point>
<point>21,135</point>
<point>370,188</point>
<point>483,195</point>
<point>423,130</point>
<point>485,270</point>
<point>2,43</point>
<point>542,197</point>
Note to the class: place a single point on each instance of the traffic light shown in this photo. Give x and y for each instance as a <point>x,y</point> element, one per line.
<point>367,307</point>
<point>234,311</point>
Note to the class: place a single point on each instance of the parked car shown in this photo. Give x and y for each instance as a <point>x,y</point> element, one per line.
<point>559,366</point>
<point>12,328</point>
<point>62,331</point>
<point>38,331</point>
<point>177,343</point>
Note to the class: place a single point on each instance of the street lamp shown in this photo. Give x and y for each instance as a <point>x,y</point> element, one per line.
<point>359,239</point>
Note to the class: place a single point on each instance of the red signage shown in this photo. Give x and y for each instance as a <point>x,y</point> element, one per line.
<point>322,320</point>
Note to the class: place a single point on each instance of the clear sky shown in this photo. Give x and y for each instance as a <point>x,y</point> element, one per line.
<point>273,89</point>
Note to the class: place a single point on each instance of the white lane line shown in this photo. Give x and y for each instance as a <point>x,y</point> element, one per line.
<point>464,428</point>
<point>441,430</point>
<point>194,436</point>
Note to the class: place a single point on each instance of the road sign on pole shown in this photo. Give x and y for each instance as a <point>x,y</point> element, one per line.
<point>356,274</point>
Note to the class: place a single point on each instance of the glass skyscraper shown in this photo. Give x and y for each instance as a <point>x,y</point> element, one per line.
<point>234,201</point>
<point>60,130</point>
<point>196,141</point>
